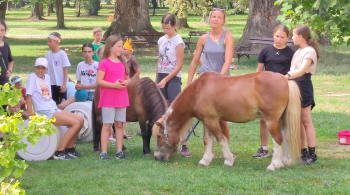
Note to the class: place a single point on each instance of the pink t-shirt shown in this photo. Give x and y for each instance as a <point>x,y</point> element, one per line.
<point>112,97</point>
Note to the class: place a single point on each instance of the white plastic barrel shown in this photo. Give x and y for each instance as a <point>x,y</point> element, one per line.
<point>45,147</point>
<point>83,109</point>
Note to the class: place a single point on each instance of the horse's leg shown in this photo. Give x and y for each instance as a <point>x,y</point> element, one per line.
<point>225,130</point>
<point>208,140</point>
<point>146,137</point>
<point>215,128</point>
<point>287,160</point>
<point>274,127</point>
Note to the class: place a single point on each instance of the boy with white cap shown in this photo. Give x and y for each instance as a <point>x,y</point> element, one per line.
<point>39,98</point>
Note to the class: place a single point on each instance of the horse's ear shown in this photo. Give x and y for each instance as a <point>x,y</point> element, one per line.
<point>158,124</point>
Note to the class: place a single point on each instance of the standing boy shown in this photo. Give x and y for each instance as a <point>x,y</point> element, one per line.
<point>133,65</point>
<point>97,32</point>
<point>57,68</point>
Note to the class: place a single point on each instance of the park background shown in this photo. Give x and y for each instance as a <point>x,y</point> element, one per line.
<point>141,175</point>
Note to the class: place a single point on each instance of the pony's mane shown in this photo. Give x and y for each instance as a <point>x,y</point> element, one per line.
<point>153,98</point>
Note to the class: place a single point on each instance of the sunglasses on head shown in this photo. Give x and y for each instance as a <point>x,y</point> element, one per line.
<point>219,9</point>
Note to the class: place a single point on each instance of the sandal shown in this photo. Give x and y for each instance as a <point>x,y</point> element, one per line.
<point>127,136</point>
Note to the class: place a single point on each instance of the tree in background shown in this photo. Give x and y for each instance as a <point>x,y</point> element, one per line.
<point>3,8</point>
<point>328,18</point>
<point>92,7</point>
<point>261,20</point>
<point>59,14</point>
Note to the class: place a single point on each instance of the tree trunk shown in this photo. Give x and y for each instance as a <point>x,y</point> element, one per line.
<point>181,23</point>
<point>35,15</point>
<point>41,9</point>
<point>324,39</point>
<point>130,16</point>
<point>77,7</point>
<point>59,14</point>
<point>3,7</point>
<point>67,3</point>
<point>8,6</point>
<point>261,21</point>
<point>48,11</point>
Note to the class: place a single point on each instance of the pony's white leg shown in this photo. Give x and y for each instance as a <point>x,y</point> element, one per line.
<point>208,140</point>
<point>287,160</point>
<point>276,162</point>
<point>229,159</point>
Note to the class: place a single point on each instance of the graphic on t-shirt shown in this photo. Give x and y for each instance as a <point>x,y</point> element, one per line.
<point>57,63</point>
<point>45,92</point>
<point>89,73</point>
<point>164,59</point>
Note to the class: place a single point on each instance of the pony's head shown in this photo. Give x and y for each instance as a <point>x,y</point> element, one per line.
<point>167,139</point>
<point>168,131</point>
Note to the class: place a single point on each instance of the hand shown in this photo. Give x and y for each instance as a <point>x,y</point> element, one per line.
<point>126,82</point>
<point>162,83</point>
<point>119,84</point>
<point>79,86</point>
<point>63,89</point>
<point>8,73</point>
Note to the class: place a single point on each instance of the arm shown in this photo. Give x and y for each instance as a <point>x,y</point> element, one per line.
<point>29,105</point>
<point>9,69</point>
<point>103,83</point>
<point>65,77</point>
<point>229,43</point>
<point>196,58</point>
<point>179,63</point>
<point>260,67</point>
<point>137,73</point>
<point>304,66</point>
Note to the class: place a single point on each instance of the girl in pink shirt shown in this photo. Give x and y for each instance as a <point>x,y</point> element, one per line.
<point>112,77</point>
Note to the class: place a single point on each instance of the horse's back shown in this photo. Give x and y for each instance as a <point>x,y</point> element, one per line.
<point>239,98</point>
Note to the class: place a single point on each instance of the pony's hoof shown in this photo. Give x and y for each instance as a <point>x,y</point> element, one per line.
<point>148,154</point>
<point>287,162</point>
<point>228,163</point>
<point>271,167</point>
<point>202,164</point>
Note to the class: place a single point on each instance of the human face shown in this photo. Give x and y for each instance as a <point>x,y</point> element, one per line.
<point>168,29</point>
<point>52,43</point>
<point>100,54</point>
<point>98,36</point>
<point>117,49</point>
<point>297,39</point>
<point>87,53</point>
<point>280,39</point>
<point>14,109</point>
<point>2,31</point>
<point>40,71</point>
<point>18,85</point>
<point>217,18</point>
<point>126,52</point>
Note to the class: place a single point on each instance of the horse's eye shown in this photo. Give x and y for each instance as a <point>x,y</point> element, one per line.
<point>159,136</point>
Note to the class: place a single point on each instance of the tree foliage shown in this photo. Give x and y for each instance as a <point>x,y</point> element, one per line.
<point>12,140</point>
<point>329,17</point>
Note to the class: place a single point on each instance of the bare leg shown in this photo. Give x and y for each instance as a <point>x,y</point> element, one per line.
<point>64,104</point>
<point>119,135</point>
<point>106,130</point>
<point>309,127</point>
<point>303,136</point>
<point>68,119</point>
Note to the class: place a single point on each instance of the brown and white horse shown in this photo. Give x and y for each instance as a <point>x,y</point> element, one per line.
<point>213,98</point>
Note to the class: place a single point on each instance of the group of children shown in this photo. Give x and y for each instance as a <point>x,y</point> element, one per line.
<point>46,91</point>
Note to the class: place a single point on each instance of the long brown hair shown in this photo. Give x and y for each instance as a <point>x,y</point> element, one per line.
<point>282,28</point>
<point>305,31</point>
<point>110,42</point>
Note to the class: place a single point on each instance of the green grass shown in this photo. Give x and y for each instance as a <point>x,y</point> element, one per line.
<point>141,175</point>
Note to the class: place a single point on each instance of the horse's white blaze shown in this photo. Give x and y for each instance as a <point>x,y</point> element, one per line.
<point>229,160</point>
<point>208,155</point>
<point>169,110</point>
<point>276,162</point>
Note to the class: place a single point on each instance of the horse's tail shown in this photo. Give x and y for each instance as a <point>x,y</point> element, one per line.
<point>292,117</point>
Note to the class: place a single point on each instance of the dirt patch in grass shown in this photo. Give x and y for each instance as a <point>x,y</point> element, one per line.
<point>335,94</point>
<point>331,149</point>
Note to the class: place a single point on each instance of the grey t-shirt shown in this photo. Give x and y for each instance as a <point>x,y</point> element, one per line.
<point>167,53</point>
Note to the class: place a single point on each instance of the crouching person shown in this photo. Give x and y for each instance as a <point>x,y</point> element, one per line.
<point>39,98</point>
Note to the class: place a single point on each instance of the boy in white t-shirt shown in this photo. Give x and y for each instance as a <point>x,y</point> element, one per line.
<point>85,75</point>
<point>57,68</point>
<point>39,100</point>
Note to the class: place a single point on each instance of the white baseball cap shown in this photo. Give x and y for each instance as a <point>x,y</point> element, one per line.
<point>41,62</point>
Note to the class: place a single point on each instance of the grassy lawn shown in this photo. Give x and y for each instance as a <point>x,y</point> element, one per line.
<point>141,175</point>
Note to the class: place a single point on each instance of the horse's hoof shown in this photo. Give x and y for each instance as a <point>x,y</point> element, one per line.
<point>287,162</point>
<point>227,165</point>
<point>270,167</point>
<point>202,164</point>
<point>148,154</point>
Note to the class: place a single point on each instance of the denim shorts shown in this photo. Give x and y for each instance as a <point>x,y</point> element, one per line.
<point>48,113</point>
<point>90,96</point>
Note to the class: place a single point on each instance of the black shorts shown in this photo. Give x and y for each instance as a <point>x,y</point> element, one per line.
<point>172,87</point>
<point>57,96</point>
<point>306,90</point>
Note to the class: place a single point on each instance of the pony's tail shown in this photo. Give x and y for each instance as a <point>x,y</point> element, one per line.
<point>292,121</point>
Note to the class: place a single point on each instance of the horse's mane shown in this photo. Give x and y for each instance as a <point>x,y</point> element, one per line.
<point>153,98</point>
